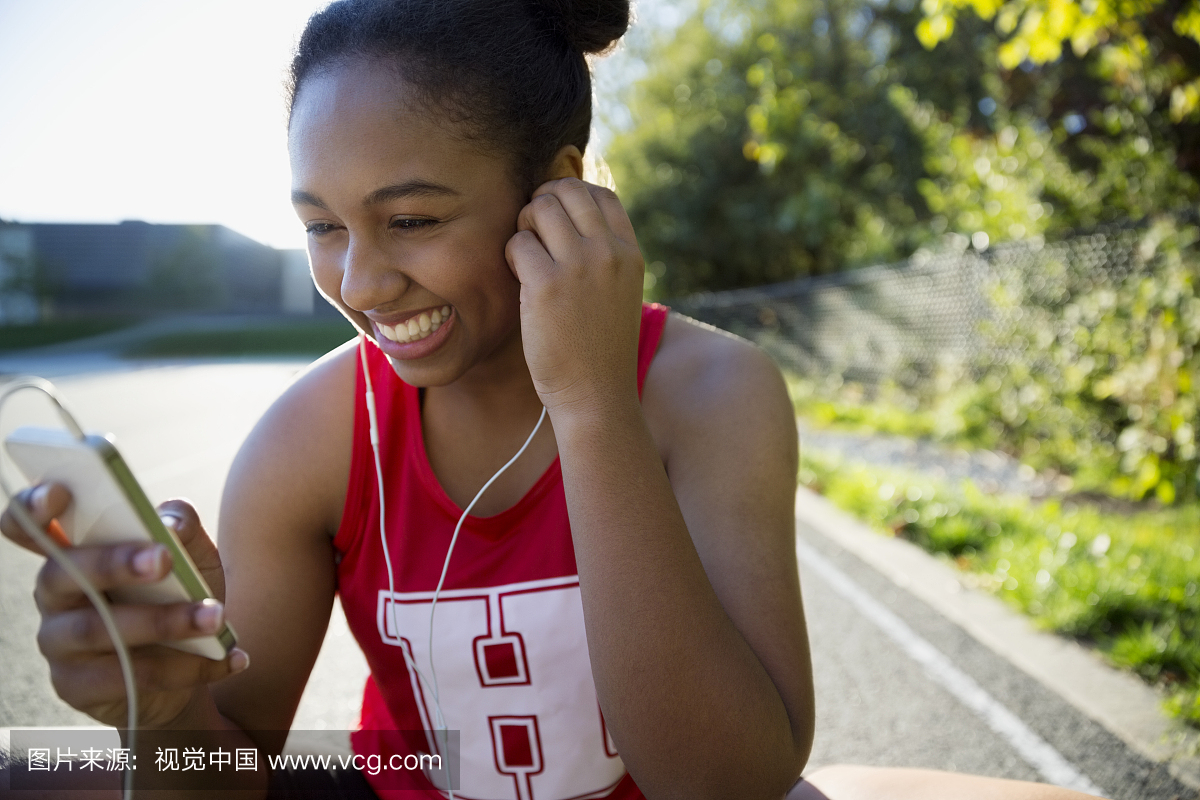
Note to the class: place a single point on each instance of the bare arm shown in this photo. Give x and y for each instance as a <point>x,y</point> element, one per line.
<point>688,572</point>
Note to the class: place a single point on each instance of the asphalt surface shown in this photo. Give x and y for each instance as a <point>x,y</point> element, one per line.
<point>876,705</point>
<point>179,426</point>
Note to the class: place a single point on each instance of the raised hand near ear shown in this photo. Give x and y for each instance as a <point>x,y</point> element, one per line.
<point>581,275</point>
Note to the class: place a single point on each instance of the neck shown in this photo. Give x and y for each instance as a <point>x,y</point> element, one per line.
<point>499,385</point>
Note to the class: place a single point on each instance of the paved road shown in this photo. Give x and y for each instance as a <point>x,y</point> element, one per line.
<point>878,702</point>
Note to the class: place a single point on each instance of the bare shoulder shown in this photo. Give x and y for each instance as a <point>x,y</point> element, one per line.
<point>719,411</point>
<point>706,381</point>
<point>300,448</point>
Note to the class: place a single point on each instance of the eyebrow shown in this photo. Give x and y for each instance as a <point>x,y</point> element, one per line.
<point>398,191</point>
<point>403,191</point>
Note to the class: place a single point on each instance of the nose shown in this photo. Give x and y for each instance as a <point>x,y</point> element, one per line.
<point>370,276</point>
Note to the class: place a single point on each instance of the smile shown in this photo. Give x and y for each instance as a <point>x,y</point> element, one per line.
<point>417,327</point>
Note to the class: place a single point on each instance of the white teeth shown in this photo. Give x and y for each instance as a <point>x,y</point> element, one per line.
<point>416,328</point>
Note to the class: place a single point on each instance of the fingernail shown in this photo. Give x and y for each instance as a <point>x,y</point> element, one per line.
<point>146,562</point>
<point>209,616</point>
<point>238,660</point>
<point>39,499</point>
<point>171,521</point>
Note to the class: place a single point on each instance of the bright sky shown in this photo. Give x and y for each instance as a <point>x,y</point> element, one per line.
<point>160,110</point>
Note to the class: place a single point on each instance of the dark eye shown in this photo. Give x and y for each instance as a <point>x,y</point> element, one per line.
<point>411,223</point>
<point>318,228</point>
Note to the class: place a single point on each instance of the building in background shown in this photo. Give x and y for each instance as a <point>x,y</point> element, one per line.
<point>70,270</point>
<point>18,295</point>
<point>297,294</point>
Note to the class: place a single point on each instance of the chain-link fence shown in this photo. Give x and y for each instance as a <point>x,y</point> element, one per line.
<point>902,321</point>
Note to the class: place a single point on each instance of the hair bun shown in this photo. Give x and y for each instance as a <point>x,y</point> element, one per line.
<point>591,26</point>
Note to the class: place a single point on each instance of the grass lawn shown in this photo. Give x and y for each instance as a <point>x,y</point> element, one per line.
<point>19,337</point>
<point>1128,585</point>
<point>283,339</point>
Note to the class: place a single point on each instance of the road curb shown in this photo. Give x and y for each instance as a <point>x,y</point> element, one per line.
<point>1120,702</point>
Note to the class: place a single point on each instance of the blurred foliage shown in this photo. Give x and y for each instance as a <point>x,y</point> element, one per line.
<point>1098,379</point>
<point>766,147</point>
<point>887,408</point>
<point>1107,384</point>
<point>39,334</point>
<point>1149,47</point>
<point>1122,101</point>
<point>773,139</point>
<point>1128,584</point>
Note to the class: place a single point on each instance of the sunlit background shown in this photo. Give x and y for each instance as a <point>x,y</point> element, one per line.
<point>136,109</point>
<point>157,111</point>
<point>967,230</point>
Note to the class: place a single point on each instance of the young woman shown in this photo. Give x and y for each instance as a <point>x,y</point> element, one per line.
<point>621,611</point>
<point>636,558</point>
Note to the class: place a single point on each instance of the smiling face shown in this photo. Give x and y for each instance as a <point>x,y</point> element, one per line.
<point>407,223</point>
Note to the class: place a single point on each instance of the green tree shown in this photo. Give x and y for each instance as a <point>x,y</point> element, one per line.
<point>785,138</point>
<point>1147,45</point>
<point>766,147</point>
<point>1118,81</point>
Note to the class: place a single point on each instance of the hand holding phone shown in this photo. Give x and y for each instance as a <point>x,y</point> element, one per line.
<point>109,507</point>
<point>83,667</point>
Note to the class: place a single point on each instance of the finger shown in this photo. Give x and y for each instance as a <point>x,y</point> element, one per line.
<point>43,502</point>
<point>187,525</point>
<point>576,199</point>
<point>181,517</point>
<point>92,682</point>
<point>545,216</point>
<point>164,669</point>
<point>615,215</point>
<point>80,631</point>
<point>105,567</point>
<point>527,257</point>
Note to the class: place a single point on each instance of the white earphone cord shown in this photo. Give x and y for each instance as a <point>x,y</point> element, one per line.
<point>52,550</point>
<point>371,415</point>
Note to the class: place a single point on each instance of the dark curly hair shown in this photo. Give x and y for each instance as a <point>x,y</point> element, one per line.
<point>510,73</point>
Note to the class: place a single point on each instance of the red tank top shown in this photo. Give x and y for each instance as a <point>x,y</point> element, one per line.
<point>513,673</point>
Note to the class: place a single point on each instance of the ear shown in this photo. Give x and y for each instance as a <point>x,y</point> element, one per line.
<point>567,163</point>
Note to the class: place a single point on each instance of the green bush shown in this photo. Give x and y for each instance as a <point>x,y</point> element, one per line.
<point>1130,585</point>
<point>40,334</point>
<point>1099,379</point>
<point>1104,383</point>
